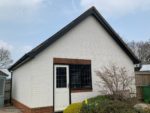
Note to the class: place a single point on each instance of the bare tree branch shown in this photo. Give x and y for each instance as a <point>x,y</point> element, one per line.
<point>115,80</point>
<point>5,59</point>
<point>141,50</point>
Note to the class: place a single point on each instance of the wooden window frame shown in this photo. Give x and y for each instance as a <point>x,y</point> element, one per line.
<point>70,61</point>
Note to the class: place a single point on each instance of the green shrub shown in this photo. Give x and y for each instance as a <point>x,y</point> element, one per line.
<point>73,108</point>
<point>98,99</point>
<point>105,105</point>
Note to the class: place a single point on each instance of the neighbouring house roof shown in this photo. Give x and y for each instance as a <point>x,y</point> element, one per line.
<point>145,67</point>
<point>4,72</point>
<point>92,11</point>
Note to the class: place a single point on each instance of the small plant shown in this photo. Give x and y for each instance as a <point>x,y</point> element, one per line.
<point>73,108</point>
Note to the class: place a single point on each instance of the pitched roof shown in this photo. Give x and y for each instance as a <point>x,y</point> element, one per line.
<point>4,72</point>
<point>92,11</point>
<point>145,67</point>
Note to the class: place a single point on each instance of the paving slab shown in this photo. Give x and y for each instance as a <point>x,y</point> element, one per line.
<point>9,110</point>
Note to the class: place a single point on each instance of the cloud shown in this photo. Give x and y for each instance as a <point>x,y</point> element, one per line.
<point>117,7</point>
<point>20,3</point>
<point>5,45</point>
<point>10,9</point>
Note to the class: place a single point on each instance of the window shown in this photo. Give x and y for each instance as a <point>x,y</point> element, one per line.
<point>61,77</point>
<point>80,76</point>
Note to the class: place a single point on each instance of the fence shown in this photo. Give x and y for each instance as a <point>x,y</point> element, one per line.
<point>142,79</point>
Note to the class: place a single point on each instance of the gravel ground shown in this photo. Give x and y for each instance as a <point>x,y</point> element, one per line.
<point>9,110</point>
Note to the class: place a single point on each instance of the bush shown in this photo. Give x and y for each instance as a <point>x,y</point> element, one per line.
<point>105,105</point>
<point>73,108</point>
<point>116,81</point>
<point>98,99</point>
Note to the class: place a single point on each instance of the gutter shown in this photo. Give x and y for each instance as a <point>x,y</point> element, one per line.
<point>11,88</point>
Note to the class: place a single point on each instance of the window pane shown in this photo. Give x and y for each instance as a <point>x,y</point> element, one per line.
<point>86,76</point>
<point>80,76</point>
<point>75,76</point>
<point>61,77</point>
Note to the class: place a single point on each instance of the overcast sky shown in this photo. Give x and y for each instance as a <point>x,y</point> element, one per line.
<point>26,23</point>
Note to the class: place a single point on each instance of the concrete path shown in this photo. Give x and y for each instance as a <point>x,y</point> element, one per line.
<point>9,110</point>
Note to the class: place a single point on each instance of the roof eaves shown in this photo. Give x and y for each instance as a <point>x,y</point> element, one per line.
<point>3,74</point>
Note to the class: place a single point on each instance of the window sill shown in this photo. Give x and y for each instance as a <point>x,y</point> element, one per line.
<point>81,90</point>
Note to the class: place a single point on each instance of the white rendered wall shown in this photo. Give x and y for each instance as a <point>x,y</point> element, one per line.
<point>88,40</point>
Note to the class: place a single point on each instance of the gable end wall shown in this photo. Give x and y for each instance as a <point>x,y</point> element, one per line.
<point>33,82</point>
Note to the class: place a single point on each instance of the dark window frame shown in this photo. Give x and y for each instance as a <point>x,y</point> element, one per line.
<point>82,88</point>
<point>61,77</point>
